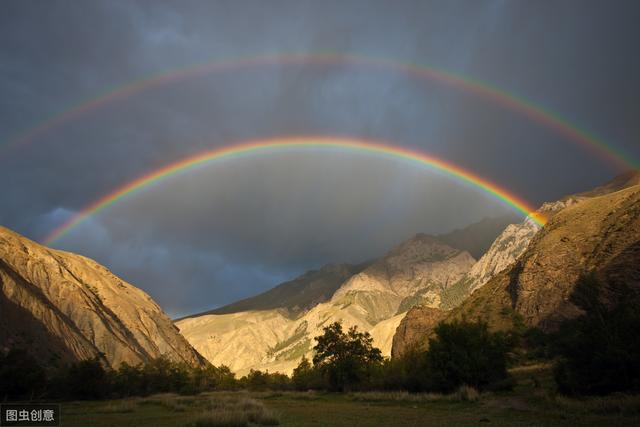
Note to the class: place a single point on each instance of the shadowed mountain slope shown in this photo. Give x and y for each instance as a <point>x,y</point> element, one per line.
<point>63,307</point>
<point>296,295</point>
<point>592,232</point>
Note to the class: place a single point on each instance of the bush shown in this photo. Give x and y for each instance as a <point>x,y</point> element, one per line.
<point>600,350</point>
<point>467,394</point>
<point>464,353</point>
<point>236,412</point>
<point>261,381</point>
<point>408,372</point>
<point>84,380</point>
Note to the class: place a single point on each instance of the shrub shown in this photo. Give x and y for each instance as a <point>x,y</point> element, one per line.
<point>261,381</point>
<point>465,353</point>
<point>236,412</point>
<point>600,350</point>
<point>467,394</point>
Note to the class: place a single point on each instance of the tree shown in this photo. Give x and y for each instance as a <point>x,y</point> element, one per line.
<point>305,376</point>
<point>346,360</point>
<point>466,353</point>
<point>161,375</point>
<point>21,377</point>
<point>87,379</point>
<point>600,350</point>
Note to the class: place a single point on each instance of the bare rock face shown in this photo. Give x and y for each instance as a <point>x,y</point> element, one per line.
<point>477,238</point>
<point>64,307</point>
<point>374,299</point>
<point>594,232</point>
<point>600,234</point>
<point>417,271</point>
<point>413,328</point>
<point>503,252</point>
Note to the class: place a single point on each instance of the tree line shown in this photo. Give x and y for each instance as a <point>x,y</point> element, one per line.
<point>594,354</point>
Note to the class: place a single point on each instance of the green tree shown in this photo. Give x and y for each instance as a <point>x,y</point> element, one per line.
<point>466,353</point>
<point>87,379</point>
<point>346,360</point>
<point>161,375</point>
<point>600,350</point>
<point>305,376</point>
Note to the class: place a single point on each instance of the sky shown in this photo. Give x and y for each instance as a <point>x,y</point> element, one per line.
<point>240,226</point>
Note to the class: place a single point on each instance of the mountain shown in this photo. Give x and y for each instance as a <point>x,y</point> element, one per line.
<point>504,250</point>
<point>593,232</point>
<point>374,299</point>
<point>63,307</point>
<point>296,295</point>
<point>478,237</point>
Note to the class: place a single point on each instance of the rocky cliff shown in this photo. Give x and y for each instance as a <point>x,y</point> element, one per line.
<point>478,237</point>
<point>64,307</point>
<point>596,231</point>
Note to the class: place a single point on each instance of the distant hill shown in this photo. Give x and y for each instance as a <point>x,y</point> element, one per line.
<point>478,237</point>
<point>596,231</point>
<point>297,295</point>
<point>62,307</point>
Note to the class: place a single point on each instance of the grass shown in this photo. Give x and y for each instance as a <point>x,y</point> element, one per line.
<point>463,394</point>
<point>533,402</point>
<point>617,404</point>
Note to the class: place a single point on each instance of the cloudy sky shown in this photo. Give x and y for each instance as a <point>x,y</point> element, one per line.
<point>240,226</point>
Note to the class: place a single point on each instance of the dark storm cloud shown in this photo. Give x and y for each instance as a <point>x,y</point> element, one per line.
<point>222,233</point>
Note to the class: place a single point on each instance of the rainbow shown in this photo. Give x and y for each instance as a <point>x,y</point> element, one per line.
<point>509,101</point>
<point>261,146</point>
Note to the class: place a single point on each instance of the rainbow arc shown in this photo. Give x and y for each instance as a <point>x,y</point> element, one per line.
<point>258,147</point>
<point>509,101</point>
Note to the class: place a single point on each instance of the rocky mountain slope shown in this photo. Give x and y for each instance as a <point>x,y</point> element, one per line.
<point>298,295</point>
<point>478,237</point>
<point>375,299</point>
<point>64,307</point>
<point>596,231</point>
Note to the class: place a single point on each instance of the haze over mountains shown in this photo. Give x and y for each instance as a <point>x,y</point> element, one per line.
<point>64,307</point>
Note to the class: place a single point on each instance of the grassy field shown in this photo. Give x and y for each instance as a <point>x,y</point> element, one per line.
<point>530,404</point>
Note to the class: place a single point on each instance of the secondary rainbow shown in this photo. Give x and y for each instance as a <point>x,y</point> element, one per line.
<point>508,100</point>
<point>282,144</point>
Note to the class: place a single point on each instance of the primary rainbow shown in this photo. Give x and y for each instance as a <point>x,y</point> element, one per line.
<point>309,142</point>
<point>508,100</point>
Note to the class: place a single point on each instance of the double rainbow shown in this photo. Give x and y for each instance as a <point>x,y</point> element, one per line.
<point>298,143</point>
<point>485,90</point>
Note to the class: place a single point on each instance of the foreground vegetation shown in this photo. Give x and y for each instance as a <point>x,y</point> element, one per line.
<point>468,375</point>
<point>291,408</point>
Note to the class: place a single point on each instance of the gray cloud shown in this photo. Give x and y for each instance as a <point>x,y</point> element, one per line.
<point>233,229</point>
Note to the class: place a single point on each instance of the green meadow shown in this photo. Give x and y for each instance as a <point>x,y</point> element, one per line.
<point>531,403</point>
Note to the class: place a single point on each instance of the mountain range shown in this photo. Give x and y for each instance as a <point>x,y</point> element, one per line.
<point>63,307</point>
<point>269,332</point>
